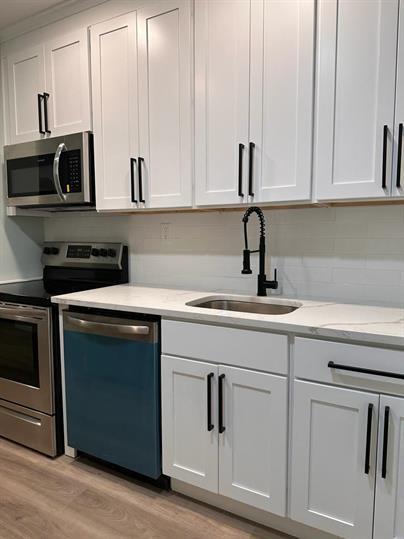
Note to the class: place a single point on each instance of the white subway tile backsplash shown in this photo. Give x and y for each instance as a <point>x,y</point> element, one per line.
<point>348,254</point>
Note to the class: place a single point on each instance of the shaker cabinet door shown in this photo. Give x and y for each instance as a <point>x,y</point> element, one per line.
<point>165,103</point>
<point>26,81</point>
<point>190,429</point>
<point>389,511</point>
<point>398,168</point>
<point>281,100</point>
<point>334,459</point>
<point>357,44</point>
<point>253,444</point>
<point>222,82</point>
<point>68,83</point>
<point>115,112</point>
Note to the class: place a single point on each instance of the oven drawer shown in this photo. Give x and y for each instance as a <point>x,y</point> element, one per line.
<point>27,427</point>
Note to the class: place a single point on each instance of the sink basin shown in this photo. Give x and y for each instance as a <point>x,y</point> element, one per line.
<point>245,305</point>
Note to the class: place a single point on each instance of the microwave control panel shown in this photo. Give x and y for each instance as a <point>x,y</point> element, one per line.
<point>72,171</point>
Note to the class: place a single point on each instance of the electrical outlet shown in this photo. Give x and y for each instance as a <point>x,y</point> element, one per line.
<point>165,230</point>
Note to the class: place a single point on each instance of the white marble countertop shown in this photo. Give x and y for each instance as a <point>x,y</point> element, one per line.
<point>368,324</point>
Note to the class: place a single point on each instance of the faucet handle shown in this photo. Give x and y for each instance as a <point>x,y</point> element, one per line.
<point>274,282</point>
<point>246,262</point>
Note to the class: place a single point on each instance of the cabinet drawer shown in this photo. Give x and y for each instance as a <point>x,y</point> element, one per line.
<point>230,346</point>
<point>311,359</point>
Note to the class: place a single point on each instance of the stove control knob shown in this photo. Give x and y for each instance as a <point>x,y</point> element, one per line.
<point>103,252</point>
<point>95,252</point>
<point>112,253</point>
<point>54,250</point>
<point>47,251</point>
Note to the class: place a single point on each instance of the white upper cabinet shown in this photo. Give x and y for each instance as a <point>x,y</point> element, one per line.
<point>165,103</point>
<point>282,79</point>
<point>48,89</point>
<point>115,112</point>
<point>222,78</point>
<point>142,107</point>
<point>68,83</point>
<point>26,84</point>
<point>389,510</point>
<point>253,442</point>
<point>334,459</point>
<point>357,44</point>
<point>254,65</point>
<point>398,170</point>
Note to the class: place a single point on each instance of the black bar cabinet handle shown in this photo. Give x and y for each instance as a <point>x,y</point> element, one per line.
<point>139,169</point>
<point>368,439</point>
<point>222,428</point>
<point>384,163</point>
<point>240,170</point>
<point>250,170</point>
<point>40,97</point>
<point>132,180</point>
<point>209,386</point>
<point>385,441</point>
<point>45,110</point>
<point>399,151</point>
<point>386,374</point>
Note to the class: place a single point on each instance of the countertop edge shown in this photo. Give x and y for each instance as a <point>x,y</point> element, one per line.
<point>270,325</point>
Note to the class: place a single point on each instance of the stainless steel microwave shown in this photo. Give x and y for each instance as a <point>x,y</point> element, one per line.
<point>51,172</point>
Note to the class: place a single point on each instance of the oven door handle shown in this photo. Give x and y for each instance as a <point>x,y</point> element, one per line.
<point>118,329</point>
<point>23,315</point>
<point>56,179</point>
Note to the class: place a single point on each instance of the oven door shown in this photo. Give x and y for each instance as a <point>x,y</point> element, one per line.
<point>26,357</point>
<point>50,172</point>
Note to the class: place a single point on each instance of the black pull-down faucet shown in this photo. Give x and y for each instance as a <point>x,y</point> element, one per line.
<point>263,284</point>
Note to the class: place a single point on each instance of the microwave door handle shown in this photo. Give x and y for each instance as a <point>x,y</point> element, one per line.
<point>56,180</point>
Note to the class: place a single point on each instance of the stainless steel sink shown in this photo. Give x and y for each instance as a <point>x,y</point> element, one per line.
<point>247,305</point>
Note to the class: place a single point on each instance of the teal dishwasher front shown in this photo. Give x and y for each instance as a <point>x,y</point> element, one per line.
<point>112,376</point>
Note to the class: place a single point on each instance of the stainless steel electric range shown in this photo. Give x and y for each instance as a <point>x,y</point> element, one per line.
<point>30,386</point>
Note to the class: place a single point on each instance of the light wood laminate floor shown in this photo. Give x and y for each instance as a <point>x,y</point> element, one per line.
<point>42,498</point>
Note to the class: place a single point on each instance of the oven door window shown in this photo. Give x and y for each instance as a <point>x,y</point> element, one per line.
<point>30,176</point>
<point>19,352</point>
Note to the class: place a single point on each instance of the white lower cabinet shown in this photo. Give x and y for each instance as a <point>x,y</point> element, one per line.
<point>225,430</point>
<point>334,432</point>
<point>389,510</point>
<point>190,451</point>
<point>253,446</point>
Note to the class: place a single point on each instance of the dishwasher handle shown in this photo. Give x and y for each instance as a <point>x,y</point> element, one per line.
<point>113,328</point>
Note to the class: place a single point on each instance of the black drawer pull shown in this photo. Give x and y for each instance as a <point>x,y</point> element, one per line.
<point>384,162</point>
<point>209,386</point>
<point>399,152</point>
<point>141,160</point>
<point>386,374</point>
<point>132,180</point>
<point>222,428</point>
<point>250,170</point>
<point>385,441</point>
<point>41,130</point>
<point>368,439</point>
<point>240,170</point>
<point>45,110</point>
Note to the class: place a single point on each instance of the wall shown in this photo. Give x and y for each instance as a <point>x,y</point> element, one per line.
<point>353,254</point>
<point>20,237</point>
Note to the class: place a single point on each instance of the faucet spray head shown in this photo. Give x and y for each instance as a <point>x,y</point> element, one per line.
<point>246,262</point>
